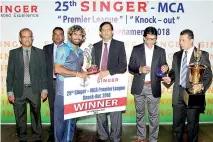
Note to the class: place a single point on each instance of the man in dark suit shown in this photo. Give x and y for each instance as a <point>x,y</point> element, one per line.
<point>110,57</point>
<point>180,77</point>
<point>27,83</point>
<point>50,52</point>
<point>145,59</point>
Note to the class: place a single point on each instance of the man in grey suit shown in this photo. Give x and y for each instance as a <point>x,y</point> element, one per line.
<point>110,57</point>
<point>27,83</point>
<point>145,59</point>
<point>180,77</point>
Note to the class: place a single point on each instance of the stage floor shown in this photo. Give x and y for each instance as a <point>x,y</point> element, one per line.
<point>87,133</point>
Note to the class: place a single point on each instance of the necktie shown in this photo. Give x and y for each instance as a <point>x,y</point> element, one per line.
<point>26,68</point>
<point>104,58</point>
<point>184,70</point>
<point>54,57</point>
<point>54,52</point>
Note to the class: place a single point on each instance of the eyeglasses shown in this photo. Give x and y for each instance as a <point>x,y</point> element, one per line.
<point>151,39</point>
<point>106,30</point>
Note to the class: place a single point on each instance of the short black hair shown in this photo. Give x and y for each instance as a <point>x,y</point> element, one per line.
<point>151,31</point>
<point>188,32</point>
<point>105,23</point>
<point>58,28</point>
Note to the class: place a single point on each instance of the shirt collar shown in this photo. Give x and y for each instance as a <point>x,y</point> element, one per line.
<point>150,49</point>
<point>190,50</point>
<point>57,45</point>
<point>69,44</point>
<point>26,48</point>
<point>108,43</point>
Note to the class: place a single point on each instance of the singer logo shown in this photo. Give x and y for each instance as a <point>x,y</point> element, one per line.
<point>18,9</point>
<point>118,6</point>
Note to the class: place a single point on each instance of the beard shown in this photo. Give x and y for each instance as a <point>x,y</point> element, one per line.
<point>77,43</point>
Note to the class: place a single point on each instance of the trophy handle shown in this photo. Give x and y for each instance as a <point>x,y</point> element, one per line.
<point>93,55</point>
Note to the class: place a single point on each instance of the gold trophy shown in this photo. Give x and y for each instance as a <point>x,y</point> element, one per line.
<point>195,97</point>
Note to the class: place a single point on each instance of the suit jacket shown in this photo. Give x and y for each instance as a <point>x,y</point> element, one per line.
<point>48,51</point>
<point>137,60</point>
<point>175,73</point>
<point>116,58</point>
<point>15,71</point>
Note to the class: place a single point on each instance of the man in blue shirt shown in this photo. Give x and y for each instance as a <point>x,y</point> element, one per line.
<point>68,62</point>
<point>50,51</point>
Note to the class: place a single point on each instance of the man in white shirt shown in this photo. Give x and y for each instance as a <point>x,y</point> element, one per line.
<point>145,60</point>
<point>110,57</point>
<point>179,75</point>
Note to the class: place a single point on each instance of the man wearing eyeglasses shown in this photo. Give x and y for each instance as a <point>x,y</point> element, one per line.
<point>145,59</point>
<point>110,57</point>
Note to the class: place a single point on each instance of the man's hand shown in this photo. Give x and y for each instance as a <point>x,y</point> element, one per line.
<point>103,74</point>
<point>167,80</point>
<point>43,96</point>
<point>198,87</point>
<point>93,66</point>
<point>82,75</point>
<point>144,69</point>
<point>11,98</point>
<point>164,68</point>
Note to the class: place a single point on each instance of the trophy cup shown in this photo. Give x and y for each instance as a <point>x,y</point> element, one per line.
<point>192,96</point>
<point>89,60</point>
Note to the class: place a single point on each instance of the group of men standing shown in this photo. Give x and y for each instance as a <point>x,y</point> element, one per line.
<point>33,74</point>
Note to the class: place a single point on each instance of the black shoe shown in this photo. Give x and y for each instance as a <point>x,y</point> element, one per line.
<point>37,141</point>
<point>22,141</point>
<point>50,139</point>
<point>100,140</point>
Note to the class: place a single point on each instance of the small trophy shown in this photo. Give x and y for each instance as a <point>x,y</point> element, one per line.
<point>195,97</point>
<point>159,73</point>
<point>88,60</point>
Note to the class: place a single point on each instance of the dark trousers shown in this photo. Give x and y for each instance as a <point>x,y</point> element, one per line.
<point>20,110</point>
<point>51,100</point>
<point>180,113</point>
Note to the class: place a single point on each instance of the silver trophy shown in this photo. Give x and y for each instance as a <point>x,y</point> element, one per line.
<point>89,61</point>
<point>87,57</point>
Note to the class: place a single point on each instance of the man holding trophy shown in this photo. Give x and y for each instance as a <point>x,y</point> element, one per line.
<point>110,57</point>
<point>191,74</point>
<point>68,63</point>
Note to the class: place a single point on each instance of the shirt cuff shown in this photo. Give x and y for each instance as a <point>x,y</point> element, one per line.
<point>44,91</point>
<point>9,93</point>
<point>139,71</point>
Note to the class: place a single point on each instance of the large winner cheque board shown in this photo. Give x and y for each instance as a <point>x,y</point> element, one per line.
<point>93,96</point>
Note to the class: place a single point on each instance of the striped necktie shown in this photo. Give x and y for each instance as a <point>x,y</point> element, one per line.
<point>184,70</point>
<point>26,68</point>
